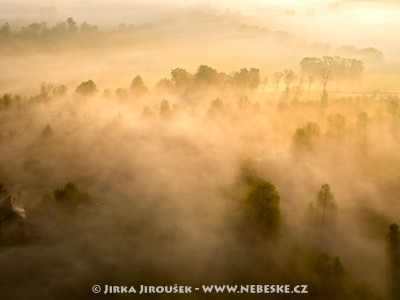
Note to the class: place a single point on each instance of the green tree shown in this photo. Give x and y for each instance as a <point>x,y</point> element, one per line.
<point>5,30</point>
<point>354,68</point>
<point>47,131</point>
<point>311,66</point>
<point>59,90</point>
<point>325,206</point>
<point>72,27</point>
<point>147,113</point>
<point>249,172</point>
<point>216,107</point>
<point>337,124</point>
<point>70,195</point>
<point>321,216</point>
<point>331,67</point>
<point>254,78</point>
<point>331,277</point>
<point>325,201</point>
<point>3,191</point>
<point>87,28</point>
<point>393,257</point>
<point>163,84</point>
<point>180,78</point>
<point>86,88</point>
<point>304,137</point>
<point>138,88</point>
<point>262,207</point>
<point>165,110</point>
<point>248,79</point>
<point>205,75</point>
<point>6,100</point>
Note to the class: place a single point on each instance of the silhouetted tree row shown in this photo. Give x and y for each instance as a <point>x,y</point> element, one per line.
<point>40,30</point>
<point>207,77</point>
<point>329,67</point>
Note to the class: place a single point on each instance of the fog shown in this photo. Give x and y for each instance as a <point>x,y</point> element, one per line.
<point>191,143</point>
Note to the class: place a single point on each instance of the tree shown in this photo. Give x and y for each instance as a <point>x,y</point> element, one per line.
<point>165,111</point>
<point>344,68</point>
<point>362,122</point>
<point>176,110</point>
<point>5,30</point>
<point>180,78</point>
<point>60,28</point>
<point>337,123</point>
<point>331,277</point>
<point>33,30</point>
<point>301,141</point>
<point>6,100</point>
<point>338,69</point>
<point>325,204</point>
<point>47,131</point>
<point>45,89</point>
<point>249,172</point>
<point>206,75</point>
<point>325,77</point>
<point>138,88</point>
<point>276,78</point>
<point>147,113</point>
<point>310,82</point>
<point>311,66</point>
<point>304,137</point>
<point>288,78</point>
<point>393,107</point>
<point>312,129</point>
<point>253,78</point>
<point>321,214</point>
<point>264,83</point>
<point>298,88</point>
<point>331,67</point>
<point>72,27</point>
<point>59,90</point>
<point>249,79</point>
<point>216,107</point>
<point>87,28</point>
<point>393,257</point>
<point>3,191</point>
<point>325,200</point>
<point>86,88</point>
<point>163,84</point>
<point>354,68</point>
<point>70,195</point>
<point>262,207</point>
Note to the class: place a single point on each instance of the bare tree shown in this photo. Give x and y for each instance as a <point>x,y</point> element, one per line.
<point>45,89</point>
<point>276,79</point>
<point>325,77</point>
<point>310,82</point>
<point>289,77</point>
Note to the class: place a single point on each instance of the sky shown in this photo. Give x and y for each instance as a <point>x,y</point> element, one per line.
<point>341,22</point>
